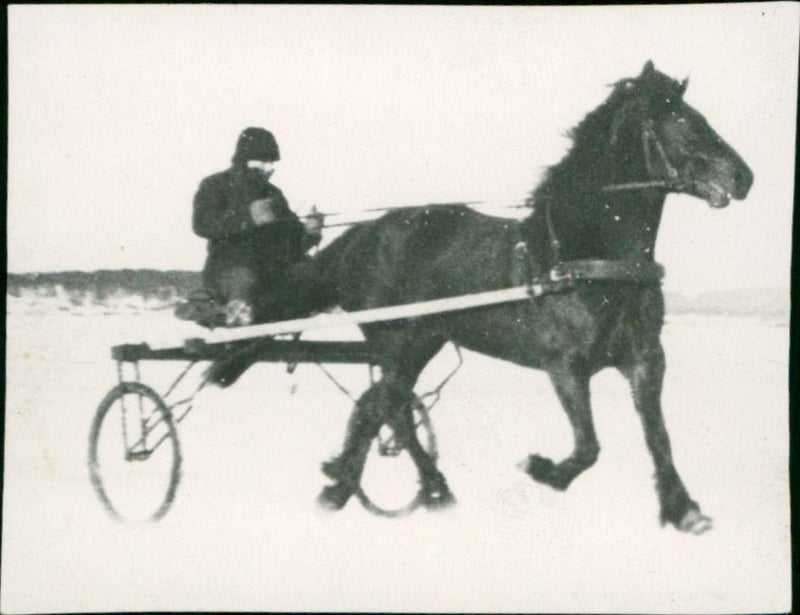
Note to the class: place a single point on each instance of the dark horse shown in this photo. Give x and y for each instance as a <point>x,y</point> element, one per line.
<point>601,204</point>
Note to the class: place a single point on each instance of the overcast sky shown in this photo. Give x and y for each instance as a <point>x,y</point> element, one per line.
<point>117,112</point>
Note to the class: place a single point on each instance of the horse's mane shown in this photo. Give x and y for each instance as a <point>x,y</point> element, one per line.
<point>602,132</point>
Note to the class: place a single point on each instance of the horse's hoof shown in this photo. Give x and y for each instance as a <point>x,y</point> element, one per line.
<point>332,469</point>
<point>695,522</point>
<point>438,499</point>
<point>334,497</point>
<point>543,470</point>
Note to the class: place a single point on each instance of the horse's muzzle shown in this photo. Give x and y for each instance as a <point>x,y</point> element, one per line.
<point>725,180</point>
<point>743,181</point>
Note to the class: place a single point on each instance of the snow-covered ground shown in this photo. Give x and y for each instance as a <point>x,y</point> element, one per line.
<point>245,531</point>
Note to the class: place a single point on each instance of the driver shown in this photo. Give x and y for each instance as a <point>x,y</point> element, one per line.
<point>252,234</point>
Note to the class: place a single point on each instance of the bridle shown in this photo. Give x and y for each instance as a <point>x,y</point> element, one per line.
<point>672,183</point>
<point>650,141</point>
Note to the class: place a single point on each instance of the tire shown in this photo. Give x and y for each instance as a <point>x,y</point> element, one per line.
<point>126,457</point>
<point>380,481</point>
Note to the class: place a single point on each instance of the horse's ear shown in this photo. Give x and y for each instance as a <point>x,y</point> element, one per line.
<point>648,69</point>
<point>684,85</point>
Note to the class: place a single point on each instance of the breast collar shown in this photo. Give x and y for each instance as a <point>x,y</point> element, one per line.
<point>568,275</point>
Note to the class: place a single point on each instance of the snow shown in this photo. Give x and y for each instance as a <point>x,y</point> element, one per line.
<point>245,532</point>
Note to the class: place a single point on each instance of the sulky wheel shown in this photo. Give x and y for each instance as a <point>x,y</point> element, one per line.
<point>389,485</point>
<point>134,454</point>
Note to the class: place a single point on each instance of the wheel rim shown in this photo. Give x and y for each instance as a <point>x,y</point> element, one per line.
<point>389,485</point>
<point>134,454</point>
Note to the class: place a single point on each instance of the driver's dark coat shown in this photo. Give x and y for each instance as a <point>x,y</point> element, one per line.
<point>222,215</point>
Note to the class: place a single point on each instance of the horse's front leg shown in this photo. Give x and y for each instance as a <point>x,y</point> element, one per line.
<point>572,386</point>
<point>646,377</point>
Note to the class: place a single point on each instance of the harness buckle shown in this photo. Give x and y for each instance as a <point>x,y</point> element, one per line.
<point>535,289</point>
<point>557,275</point>
<point>556,281</point>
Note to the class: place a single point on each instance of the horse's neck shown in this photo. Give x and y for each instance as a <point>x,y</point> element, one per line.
<point>591,224</point>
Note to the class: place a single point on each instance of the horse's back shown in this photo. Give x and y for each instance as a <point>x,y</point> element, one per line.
<point>423,253</point>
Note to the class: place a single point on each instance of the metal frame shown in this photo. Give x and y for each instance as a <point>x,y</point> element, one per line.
<point>289,351</point>
<point>270,350</point>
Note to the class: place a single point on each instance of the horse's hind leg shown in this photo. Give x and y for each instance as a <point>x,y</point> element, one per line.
<point>435,492</point>
<point>572,386</point>
<point>646,376</point>
<point>365,422</point>
<point>388,401</point>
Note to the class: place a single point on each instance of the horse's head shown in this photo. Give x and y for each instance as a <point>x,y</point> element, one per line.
<point>680,151</point>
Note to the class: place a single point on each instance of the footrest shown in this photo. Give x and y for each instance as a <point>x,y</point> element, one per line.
<point>194,345</point>
<point>131,352</point>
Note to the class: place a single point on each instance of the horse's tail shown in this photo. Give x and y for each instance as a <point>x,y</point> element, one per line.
<point>310,286</point>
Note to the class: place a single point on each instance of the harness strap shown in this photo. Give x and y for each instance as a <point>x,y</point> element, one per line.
<point>650,132</point>
<point>521,265</point>
<point>566,276</point>
<point>610,270</point>
<point>555,244</point>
